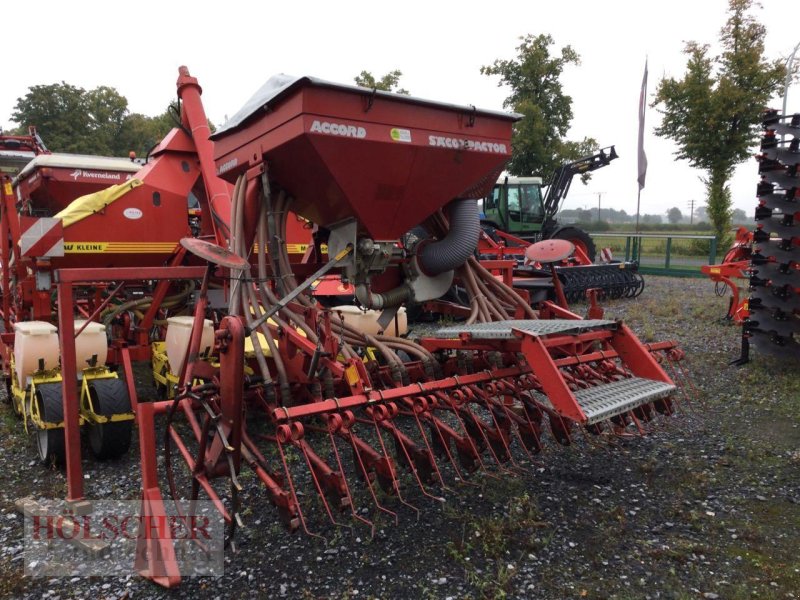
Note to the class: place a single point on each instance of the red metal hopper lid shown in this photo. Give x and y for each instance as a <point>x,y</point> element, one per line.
<point>214,253</point>
<point>549,251</point>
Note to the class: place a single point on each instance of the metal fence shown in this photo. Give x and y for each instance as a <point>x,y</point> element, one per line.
<point>662,254</point>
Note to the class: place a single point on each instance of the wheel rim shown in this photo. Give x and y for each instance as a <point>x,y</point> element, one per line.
<point>42,444</point>
<point>580,245</point>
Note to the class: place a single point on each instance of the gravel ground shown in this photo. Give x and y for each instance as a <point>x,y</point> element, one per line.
<point>707,506</point>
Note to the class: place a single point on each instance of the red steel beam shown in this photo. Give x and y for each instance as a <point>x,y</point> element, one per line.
<point>194,118</point>
<point>415,389</point>
<point>90,275</point>
<point>69,393</point>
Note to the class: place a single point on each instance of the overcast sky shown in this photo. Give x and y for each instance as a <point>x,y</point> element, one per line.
<point>232,47</point>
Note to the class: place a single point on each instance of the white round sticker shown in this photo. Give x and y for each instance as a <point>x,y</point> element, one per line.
<point>132,213</point>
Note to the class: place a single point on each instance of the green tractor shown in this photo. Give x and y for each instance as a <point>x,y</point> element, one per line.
<point>517,214</point>
<point>517,205</point>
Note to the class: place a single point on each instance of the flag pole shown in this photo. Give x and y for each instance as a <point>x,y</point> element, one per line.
<point>638,203</point>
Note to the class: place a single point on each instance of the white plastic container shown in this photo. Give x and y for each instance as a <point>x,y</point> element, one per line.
<point>34,341</point>
<point>91,342</point>
<point>367,321</point>
<point>179,332</point>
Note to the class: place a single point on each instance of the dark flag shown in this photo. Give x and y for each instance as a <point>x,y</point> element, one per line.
<point>642,107</point>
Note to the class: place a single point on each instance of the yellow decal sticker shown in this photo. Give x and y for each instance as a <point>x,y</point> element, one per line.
<point>119,247</point>
<point>7,189</point>
<point>351,373</point>
<point>290,248</point>
<point>84,247</point>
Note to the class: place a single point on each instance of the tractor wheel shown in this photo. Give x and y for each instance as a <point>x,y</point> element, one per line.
<point>50,442</point>
<point>112,439</point>
<point>579,237</point>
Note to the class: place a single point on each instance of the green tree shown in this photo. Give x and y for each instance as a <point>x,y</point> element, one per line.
<point>713,113</point>
<point>71,119</point>
<point>387,83</point>
<point>739,217</point>
<point>539,144</point>
<point>140,132</point>
<point>106,111</point>
<point>674,215</point>
<point>59,113</point>
<point>651,219</point>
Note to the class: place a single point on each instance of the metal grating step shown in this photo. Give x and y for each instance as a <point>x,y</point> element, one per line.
<point>611,399</point>
<point>502,330</point>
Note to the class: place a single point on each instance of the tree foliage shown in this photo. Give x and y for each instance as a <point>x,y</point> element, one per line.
<point>387,83</point>
<point>539,144</point>
<point>713,113</point>
<point>72,119</point>
<point>674,215</point>
<point>141,132</point>
<point>652,219</point>
<point>740,217</point>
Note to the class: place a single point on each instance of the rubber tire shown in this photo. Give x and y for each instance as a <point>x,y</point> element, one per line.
<point>113,439</point>
<point>50,442</point>
<point>580,238</point>
<point>9,394</point>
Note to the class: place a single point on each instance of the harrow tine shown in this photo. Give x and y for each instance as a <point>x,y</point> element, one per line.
<point>349,436</point>
<point>687,379</point>
<point>649,414</point>
<point>529,407</point>
<point>424,409</point>
<point>503,433</point>
<point>475,450</point>
<point>391,465</point>
<point>290,481</point>
<point>637,422</point>
<point>408,452</point>
<point>560,428</point>
<point>400,439</point>
<point>197,476</point>
<point>283,501</point>
<point>493,402</point>
<point>679,382</point>
<point>514,418</point>
<point>591,436</point>
<point>318,464</point>
<point>523,421</point>
<point>436,424</point>
<point>353,511</point>
<point>480,426</point>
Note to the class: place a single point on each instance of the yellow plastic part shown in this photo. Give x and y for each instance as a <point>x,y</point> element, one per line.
<point>87,205</point>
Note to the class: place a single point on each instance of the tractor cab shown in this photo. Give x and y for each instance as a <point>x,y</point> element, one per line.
<point>515,204</point>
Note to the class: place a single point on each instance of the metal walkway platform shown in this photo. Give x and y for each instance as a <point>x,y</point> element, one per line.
<point>503,330</point>
<point>611,399</point>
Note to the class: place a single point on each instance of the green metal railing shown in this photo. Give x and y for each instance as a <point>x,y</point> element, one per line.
<point>662,254</point>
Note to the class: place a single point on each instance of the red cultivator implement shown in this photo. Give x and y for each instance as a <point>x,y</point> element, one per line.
<point>734,266</point>
<point>324,414</point>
